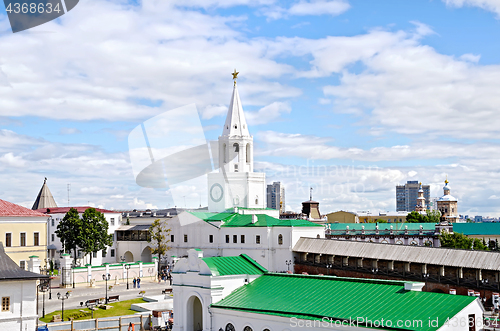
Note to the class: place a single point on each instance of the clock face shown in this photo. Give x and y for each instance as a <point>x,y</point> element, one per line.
<point>216,192</point>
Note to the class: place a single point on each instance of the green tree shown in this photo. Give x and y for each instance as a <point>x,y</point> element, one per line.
<point>433,216</point>
<point>158,238</point>
<point>414,217</point>
<point>459,240</point>
<point>381,221</point>
<point>94,236</point>
<point>68,231</point>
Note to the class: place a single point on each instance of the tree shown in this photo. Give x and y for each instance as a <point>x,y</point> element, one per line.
<point>414,217</point>
<point>158,233</point>
<point>459,240</point>
<point>69,230</point>
<point>94,235</point>
<point>433,216</point>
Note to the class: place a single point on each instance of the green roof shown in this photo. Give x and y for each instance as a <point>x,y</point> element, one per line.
<point>316,297</point>
<point>233,265</point>
<point>477,228</point>
<point>238,220</point>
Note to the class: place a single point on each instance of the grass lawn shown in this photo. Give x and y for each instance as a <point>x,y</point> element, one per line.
<point>119,308</point>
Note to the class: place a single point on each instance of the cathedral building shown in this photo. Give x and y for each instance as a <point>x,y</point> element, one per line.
<point>447,205</point>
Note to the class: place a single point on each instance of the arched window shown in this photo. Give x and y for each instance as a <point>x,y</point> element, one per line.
<point>230,327</point>
<point>237,150</point>
<point>399,242</point>
<point>413,243</point>
<point>248,153</point>
<point>256,199</point>
<point>280,239</point>
<point>247,328</point>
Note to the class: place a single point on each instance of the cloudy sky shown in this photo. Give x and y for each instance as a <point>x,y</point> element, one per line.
<point>349,97</point>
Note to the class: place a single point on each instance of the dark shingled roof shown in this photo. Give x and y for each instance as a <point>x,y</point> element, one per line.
<point>9,270</point>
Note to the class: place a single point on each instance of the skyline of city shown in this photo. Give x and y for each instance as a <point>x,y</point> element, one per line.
<point>351,100</point>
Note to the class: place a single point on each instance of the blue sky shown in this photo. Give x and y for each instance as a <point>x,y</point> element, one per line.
<point>377,92</point>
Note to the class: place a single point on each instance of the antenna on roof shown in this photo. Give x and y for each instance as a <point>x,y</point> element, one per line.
<point>311,194</point>
<point>69,189</point>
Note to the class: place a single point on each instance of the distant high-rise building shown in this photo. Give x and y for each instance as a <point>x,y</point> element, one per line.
<point>276,196</point>
<point>406,195</point>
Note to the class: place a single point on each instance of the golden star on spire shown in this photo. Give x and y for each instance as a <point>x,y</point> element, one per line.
<point>235,75</point>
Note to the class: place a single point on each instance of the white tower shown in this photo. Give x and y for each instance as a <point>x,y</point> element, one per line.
<point>235,185</point>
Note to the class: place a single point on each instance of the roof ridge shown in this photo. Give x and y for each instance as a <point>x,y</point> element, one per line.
<point>252,261</point>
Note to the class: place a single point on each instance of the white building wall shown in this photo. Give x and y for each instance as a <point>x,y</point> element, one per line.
<point>269,253</point>
<point>22,315</point>
<point>460,322</point>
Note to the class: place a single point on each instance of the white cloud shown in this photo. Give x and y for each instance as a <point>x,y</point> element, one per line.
<point>319,7</point>
<point>490,5</point>
<point>67,131</point>
<point>268,113</point>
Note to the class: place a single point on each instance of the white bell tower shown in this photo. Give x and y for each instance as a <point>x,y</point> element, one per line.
<point>235,185</point>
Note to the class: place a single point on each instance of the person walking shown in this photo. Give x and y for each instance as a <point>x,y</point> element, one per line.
<point>131,327</point>
<point>138,282</point>
<point>134,281</point>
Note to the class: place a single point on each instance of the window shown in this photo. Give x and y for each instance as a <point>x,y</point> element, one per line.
<point>171,238</point>
<point>23,239</point>
<point>257,239</point>
<point>185,238</point>
<point>8,239</point>
<point>112,220</point>
<point>235,239</point>
<point>227,239</point>
<point>94,254</point>
<point>211,238</point>
<point>242,238</point>
<point>103,253</point>
<point>5,303</point>
<point>280,239</point>
<point>230,327</point>
<point>256,200</point>
<point>22,264</point>
<point>52,237</point>
<point>247,328</point>
<point>52,221</point>
<point>36,239</point>
<point>248,153</point>
<point>79,253</point>
<point>112,253</point>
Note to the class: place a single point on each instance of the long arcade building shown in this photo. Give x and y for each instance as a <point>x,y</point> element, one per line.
<point>442,269</point>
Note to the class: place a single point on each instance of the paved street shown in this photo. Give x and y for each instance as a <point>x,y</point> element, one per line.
<point>82,293</point>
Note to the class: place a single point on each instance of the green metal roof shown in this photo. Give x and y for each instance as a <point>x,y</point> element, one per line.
<point>477,228</point>
<point>233,265</point>
<point>316,297</point>
<point>238,220</point>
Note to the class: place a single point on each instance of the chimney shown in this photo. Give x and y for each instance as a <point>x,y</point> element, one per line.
<point>254,219</point>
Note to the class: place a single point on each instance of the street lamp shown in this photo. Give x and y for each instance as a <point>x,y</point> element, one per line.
<point>106,277</point>
<point>43,287</point>
<point>127,266</point>
<point>73,269</point>
<point>288,263</point>
<point>62,298</point>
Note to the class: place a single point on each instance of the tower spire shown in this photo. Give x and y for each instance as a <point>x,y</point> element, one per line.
<point>235,125</point>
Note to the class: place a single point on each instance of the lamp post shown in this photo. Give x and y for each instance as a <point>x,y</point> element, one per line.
<point>288,263</point>
<point>43,288</point>
<point>62,298</point>
<point>106,277</point>
<point>127,267</point>
<point>73,269</point>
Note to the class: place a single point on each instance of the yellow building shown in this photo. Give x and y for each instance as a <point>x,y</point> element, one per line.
<point>342,217</point>
<point>23,232</point>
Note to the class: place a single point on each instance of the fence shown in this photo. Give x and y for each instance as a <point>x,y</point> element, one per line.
<point>111,323</point>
